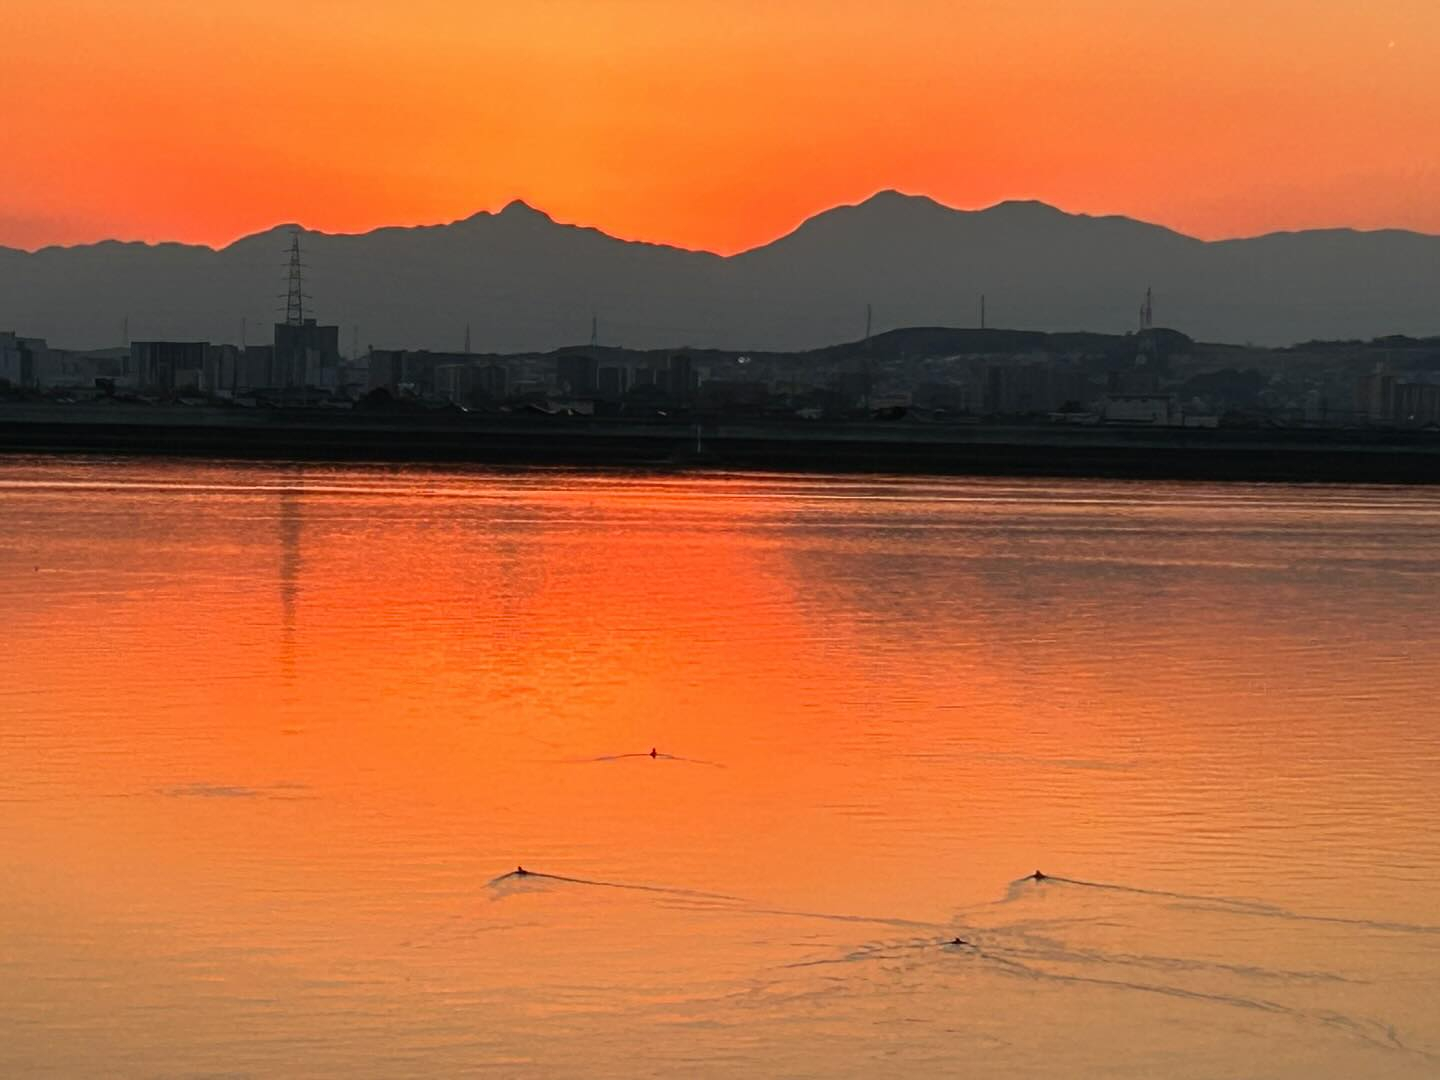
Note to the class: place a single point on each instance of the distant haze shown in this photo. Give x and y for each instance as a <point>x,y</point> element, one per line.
<point>521,281</point>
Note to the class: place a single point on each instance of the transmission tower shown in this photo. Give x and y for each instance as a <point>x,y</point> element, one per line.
<point>1147,312</point>
<point>295,297</point>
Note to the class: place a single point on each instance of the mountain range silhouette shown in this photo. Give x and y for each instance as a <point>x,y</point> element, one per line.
<point>522,281</point>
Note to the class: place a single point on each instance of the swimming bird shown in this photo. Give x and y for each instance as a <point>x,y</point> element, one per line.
<point>520,871</point>
<point>959,941</point>
<point>1037,876</point>
<point>653,754</point>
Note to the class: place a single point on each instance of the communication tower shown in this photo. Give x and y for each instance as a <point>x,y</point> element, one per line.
<point>1149,348</point>
<point>295,295</point>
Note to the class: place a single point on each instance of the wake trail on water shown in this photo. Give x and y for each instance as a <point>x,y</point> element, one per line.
<point>827,916</point>
<point>1225,904</point>
<point>1030,949</point>
<point>736,905</point>
<point>1004,944</point>
<point>1380,1035</point>
<point>516,876</point>
<point>894,951</point>
<point>997,949</point>
<point>654,757</point>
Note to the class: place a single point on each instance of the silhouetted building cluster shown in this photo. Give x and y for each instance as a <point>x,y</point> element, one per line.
<point>304,361</point>
<point>1154,377</point>
<point>1384,398</point>
<point>29,363</point>
<point>457,377</point>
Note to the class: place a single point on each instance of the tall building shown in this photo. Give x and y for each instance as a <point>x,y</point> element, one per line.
<point>18,365</point>
<point>222,369</point>
<point>455,382</point>
<point>611,382</point>
<point>257,368</point>
<point>307,354</point>
<point>168,365</point>
<point>1417,404</point>
<point>493,380</point>
<point>1375,397</point>
<point>682,378</point>
<point>575,374</point>
<point>387,370</point>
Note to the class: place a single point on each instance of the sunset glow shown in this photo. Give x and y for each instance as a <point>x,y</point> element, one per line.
<point>711,124</point>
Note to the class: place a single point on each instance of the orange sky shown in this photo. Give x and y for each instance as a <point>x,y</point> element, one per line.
<point>710,123</point>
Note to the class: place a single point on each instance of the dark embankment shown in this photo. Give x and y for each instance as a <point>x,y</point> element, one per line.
<point>858,447</point>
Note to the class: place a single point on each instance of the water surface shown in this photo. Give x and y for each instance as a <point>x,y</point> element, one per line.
<point>273,738</point>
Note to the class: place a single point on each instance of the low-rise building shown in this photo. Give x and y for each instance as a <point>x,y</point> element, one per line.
<point>79,369</point>
<point>1154,409</point>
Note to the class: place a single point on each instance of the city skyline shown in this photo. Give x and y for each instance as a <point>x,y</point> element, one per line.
<point>715,127</point>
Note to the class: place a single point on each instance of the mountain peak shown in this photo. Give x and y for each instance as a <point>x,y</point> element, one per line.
<point>516,210</point>
<point>891,197</point>
<point>519,209</point>
<point>1038,211</point>
<point>882,210</point>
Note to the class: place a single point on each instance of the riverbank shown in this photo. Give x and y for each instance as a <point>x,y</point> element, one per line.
<point>1327,455</point>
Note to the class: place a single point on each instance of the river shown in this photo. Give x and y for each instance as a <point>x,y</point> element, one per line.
<point>274,739</point>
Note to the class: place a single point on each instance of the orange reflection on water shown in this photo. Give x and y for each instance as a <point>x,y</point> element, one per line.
<point>275,732</point>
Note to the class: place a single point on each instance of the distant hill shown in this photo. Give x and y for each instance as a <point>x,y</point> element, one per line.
<point>524,282</point>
